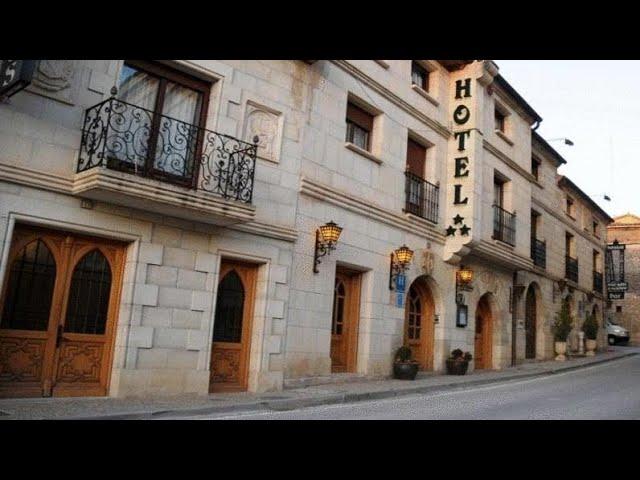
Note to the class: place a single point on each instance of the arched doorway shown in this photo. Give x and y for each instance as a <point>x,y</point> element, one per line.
<point>418,323</point>
<point>530,323</point>
<point>484,334</point>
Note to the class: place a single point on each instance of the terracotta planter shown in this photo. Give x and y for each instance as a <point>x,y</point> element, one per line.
<point>457,367</point>
<point>405,371</point>
<point>591,347</point>
<point>561,349</point>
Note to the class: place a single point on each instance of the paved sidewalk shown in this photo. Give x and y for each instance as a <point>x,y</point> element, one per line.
<point>351,391</point>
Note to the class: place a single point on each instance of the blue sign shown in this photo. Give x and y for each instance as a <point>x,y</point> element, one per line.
<point>401,282</point>
<point>399,299</point>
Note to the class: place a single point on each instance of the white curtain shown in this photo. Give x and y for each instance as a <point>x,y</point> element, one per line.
<point>177,136</point>
<point>130,126</point>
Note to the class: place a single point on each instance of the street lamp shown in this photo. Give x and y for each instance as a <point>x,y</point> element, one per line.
<point>565,140</point>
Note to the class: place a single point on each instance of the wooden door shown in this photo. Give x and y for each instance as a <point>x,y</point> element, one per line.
<point>530,324</point>
<point>344,325</point>
<point>483,337</point>
<point>229,365</point>
<point>418,325</point>
<point>59,304</point>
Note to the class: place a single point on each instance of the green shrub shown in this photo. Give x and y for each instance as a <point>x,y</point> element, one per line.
<point>403,354</point>
<point>590,327</point>
<point>563,323</point>
<point>459,355</point>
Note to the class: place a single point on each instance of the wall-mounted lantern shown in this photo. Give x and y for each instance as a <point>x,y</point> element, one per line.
<point>400,260</point>
<point>326,238</point>
<point>464,283</point>
<point>464,278</point>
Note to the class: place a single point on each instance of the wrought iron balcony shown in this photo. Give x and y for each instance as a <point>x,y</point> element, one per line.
<point>124,137</point>
<point>597,282</point>
<point>539,252</point>
<point>421,197</point>
<point>504,225</point>
<point>571,268</point>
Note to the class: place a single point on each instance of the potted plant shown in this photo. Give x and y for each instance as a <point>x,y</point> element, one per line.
<point>590,329</point>
<point>404,367</point>
<point>561,329</point>
<point>458,362</point>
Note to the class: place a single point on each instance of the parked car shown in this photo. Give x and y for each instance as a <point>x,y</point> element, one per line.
<point>616,333</point>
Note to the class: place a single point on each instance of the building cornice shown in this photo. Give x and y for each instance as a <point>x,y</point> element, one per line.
<point>359,75</point>
<point>409,223</point>
<point>61,184</point>
<point>510,163</point>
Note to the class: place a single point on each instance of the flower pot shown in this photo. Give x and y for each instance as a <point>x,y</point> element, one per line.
<point>457,367</point>
<point>591,347</point>
<point>561,349</point>
<point>405,371</point>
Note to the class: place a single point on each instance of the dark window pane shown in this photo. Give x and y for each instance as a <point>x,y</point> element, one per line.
<point>229,309</point>
<point>30,287</point>
<point>89,295</point>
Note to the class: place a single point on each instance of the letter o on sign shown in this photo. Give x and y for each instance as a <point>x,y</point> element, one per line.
<point>461,115</point>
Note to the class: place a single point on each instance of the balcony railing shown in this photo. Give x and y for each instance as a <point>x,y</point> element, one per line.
<point>504,225</point>
<point>539,252</point>
<point>597,282</point>
<point>571,268</point>
<point>121,136</point>
<point>421,197</point>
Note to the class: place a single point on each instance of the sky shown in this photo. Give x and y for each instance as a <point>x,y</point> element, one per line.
<point>596,104</point>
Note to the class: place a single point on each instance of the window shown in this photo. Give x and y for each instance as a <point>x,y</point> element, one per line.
<point>570,207</point>
<point>419,76</point>
<point>359,126</point>
<point>167,107</point>
<point>535,216</point>
<point>569,245</point>
<point>535,168</point>
<point>618,309</point>
<point>416,158</point>
<point>498,192</point>
<point>499,120</point>
<point>596,261</point>
<point>595,228</point>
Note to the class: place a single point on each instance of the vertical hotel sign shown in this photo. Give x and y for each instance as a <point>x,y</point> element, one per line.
<point>462,162</point>
<point>614,270</point>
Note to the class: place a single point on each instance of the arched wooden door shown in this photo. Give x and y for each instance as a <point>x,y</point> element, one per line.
<point>345,321</point>
<point>229,367</point>
<point>483,335</point>
<point>530,323</point>
<point>58,308</point>
<point>418,323</point>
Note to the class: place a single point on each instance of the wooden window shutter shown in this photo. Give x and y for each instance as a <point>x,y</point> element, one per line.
<point>360,117</point>
<point>416,158</point>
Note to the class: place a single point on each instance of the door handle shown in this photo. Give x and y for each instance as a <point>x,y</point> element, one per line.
<point>59,336</point>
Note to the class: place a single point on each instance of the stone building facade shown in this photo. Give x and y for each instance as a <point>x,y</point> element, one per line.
<point>159,220</point>
<point>626,230</point>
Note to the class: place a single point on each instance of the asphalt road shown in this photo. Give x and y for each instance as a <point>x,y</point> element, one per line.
<point>603,392</point>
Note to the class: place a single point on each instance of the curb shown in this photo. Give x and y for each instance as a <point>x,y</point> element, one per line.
<point>333,399</point>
